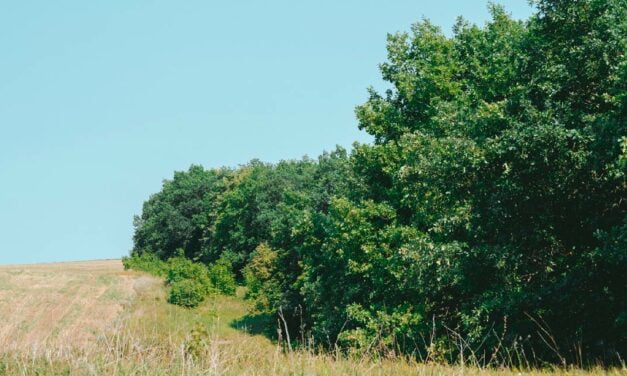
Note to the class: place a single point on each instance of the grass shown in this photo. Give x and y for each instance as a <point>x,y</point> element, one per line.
<point>57,305</point>
<point>147,336</point>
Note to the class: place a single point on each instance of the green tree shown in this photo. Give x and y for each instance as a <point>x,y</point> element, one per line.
<point>176,217</point>
<point>492,199</point>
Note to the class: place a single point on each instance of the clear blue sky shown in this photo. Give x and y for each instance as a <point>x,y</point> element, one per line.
<point>101,100</point>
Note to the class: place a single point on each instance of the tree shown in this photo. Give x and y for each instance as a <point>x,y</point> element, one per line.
<point>176,217</point>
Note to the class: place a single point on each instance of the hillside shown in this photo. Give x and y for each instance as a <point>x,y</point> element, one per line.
<point>52,307</point>
<point>95,318</point>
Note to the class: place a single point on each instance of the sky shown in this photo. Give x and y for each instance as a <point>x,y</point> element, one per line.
<point>102,100</point>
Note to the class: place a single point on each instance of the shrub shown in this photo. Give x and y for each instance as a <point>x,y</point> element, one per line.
<point>259,276</point>
<point>222,277</point>
<point>146,262</point>
<point>187,293</point>
<point>180,269</point>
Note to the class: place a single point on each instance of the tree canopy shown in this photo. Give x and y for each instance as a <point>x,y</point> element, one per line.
<point>491,203</point>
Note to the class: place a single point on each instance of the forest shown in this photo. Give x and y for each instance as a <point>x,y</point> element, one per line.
<point>489,212</point>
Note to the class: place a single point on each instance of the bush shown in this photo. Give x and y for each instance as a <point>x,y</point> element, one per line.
<point>260,278</point>
<point>190,281</point>
<point>187,293</point>
<point>222,277</point>
<point>146,262</point>
<point>180,269</point>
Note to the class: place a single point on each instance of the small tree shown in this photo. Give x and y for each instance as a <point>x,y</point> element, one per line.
<point>222,277</point>
<point>260,278</point>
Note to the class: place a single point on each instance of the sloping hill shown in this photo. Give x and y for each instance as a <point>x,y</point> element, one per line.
<point>94,318</point>
<point>53,307</point>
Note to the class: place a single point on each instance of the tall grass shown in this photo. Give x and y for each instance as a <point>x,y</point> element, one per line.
<point>156,338</point>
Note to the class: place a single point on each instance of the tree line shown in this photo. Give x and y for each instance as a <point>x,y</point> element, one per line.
<point>488,211</point>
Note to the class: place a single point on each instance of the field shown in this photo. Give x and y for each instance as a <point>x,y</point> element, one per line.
<point>94,318</point>
<point>57,306</point>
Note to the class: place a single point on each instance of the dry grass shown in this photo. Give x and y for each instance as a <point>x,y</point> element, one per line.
<point>61,305</point>
<point>135,332</point>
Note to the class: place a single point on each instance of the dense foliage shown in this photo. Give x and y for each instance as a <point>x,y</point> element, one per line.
<point>187,293</point>
<point>190,282</point>
<point>488,212</point>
